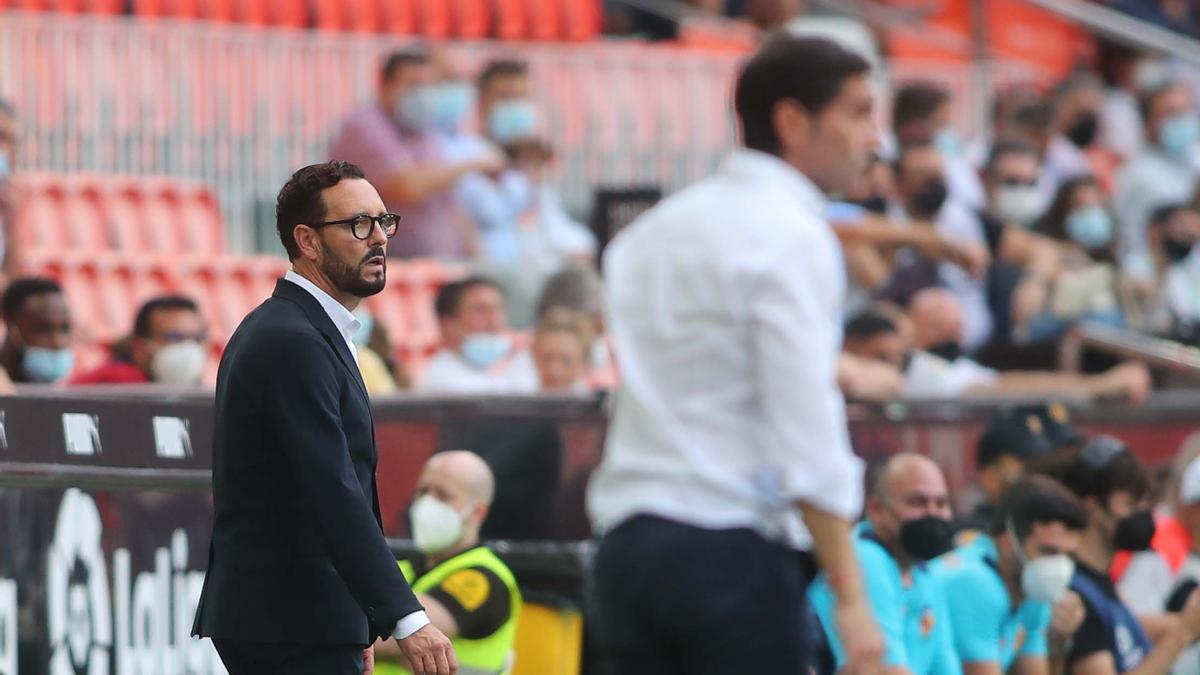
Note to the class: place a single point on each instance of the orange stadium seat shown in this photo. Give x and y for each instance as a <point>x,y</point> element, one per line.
<point>329,15</point>
<point>64,6</point>
<point>399,16</point>
<point>289,13</point>
<point>582,19</point>
<point>218,10</point>
<point>199,222</point>
<point>363,16</point>
<point>545,19</point>
<point>512,21</point>
<point>104,6</point>
<point>252,12</point>
<point>435,18</point>
<point>472,19</point>
<point>82,217</point>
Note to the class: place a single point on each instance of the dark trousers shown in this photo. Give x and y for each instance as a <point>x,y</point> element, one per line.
<point>667,598</point>
<point>265,658</point>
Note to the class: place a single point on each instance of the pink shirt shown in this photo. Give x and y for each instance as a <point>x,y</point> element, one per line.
<point>370,138</point>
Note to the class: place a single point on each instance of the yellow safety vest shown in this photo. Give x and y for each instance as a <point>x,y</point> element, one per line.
<point>486,656</point>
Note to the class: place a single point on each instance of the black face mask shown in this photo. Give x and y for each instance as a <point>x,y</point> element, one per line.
<point>949,350</point>
<point>929,200</point>
<point>1135,531</point>
<point>874,204</point>
<point>1176,250</point>
<point>1082,131</point>
<point>926,538</point>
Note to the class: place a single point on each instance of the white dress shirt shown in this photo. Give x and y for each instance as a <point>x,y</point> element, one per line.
<point>1147,182</point>
<point>343,319</point>
<point>931,376</point>
<point>726,313</point>
<point>447,372</point>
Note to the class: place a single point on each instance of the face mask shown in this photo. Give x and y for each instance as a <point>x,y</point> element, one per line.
<point>5,168</point>
<point>948,350</point>
<point>1018,204</point>
<point>874,204</point>
<point>1176,250</point>
<point>179,363</point>
<point>511,120</point>
<point>1083,131</point>
<point>1151,74</point>
<point>1090,227</point>
<point>947,142</point>
<point>482,350</point>
<point>926,538</point>
<point>47,365</point>
<point>366,325</point>
<point>1178,135</point>
<point>417,109</point>
<point>1045,578</point>
<point>930,199</point>
<point>436,525</point>
<point>454,101</point>
<point>1135,532</point>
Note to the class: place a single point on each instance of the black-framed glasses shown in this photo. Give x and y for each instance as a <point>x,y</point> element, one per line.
<point>362,225</point>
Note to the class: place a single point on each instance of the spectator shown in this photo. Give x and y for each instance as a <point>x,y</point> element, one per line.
<point>560,351</point>
<point>921,114</point>
<point>470,595</point>
<point>1113,485</point>
<point>1175,231</point>
<point>1007,106</point>
<point>907,523</point>
<point>1012,437</point>
<point>1180,16</point>
<point>1187,511</point>
<point>525,233</point>
<point>1007,590</point>
<point>1077,103</point>
<point>394,140</point>
<point>1127,72</point>
<point>9,134</point>
<point>477,354</point>
<point>579,288</point>
<point>1162,173</point>
<point>37,341</point>
<point>938,369</point>
<point>455,100</point>
<point>168,345</point>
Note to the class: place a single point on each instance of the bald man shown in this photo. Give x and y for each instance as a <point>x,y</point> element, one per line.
<point>469,593</point>
<point>907,523</point>
<point>938,369</point>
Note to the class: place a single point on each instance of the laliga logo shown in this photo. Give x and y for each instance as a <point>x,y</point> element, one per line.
<point>153,610</point>
<point>77,598</point>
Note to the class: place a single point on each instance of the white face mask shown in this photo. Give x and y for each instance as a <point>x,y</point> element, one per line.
<point>179,363</point>
<point>1018,204</point>
<point>436,525</point>
<point>1044,578</point>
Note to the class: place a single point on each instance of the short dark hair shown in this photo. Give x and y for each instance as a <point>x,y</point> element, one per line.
<point>1075,82</point>
<point>1100,468</point>
<point>1161,214</point>
<point>1037,500</point>
<point>300,200</point>
<point>450,296</point>
<point>808,70</point>
<point>141,322</point>
<point>1150,96</point>
<point>402,59</point>
<point>916,102</point>
<point>501,68</point>
<point>1034,116</point>
<point>1005,148</point>
<point>868,324</point>
<point>21,290</point>
<point>576,287</point>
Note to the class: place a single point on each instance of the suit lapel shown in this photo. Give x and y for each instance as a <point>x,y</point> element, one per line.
<point>319,318</point>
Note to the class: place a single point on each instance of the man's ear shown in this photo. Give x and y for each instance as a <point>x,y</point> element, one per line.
<point>792,123</point>
<point>308,242</point>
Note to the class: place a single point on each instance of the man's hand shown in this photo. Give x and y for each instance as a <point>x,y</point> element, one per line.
<point>369,660</point>
<point>1068,614</point>
<point>1128,380</point>
<point>428,652</point>
<point>1189,618</point>
<point>865,380</point>
<point>860,638</point>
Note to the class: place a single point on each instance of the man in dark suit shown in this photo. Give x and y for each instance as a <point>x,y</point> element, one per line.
<point>300,579</point>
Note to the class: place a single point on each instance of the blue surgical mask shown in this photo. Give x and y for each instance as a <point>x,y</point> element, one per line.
<point>483,350</point>
<point>947,142</point>
<point>5,167</point>
<point>1178,135</point>
<point>416,110</point>
<point>47,365</point>
<point>1090,227</point>
<point>454,101</point>
<point>512,120</point>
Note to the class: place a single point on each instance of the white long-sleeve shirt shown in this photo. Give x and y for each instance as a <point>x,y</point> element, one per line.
<point>725,306</point>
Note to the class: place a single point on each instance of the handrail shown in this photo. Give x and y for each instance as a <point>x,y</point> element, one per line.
<point>1127,344</point>
<point>1120,27</point>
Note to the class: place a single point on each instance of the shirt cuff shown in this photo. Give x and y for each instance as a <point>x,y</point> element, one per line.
<point>410,624</point>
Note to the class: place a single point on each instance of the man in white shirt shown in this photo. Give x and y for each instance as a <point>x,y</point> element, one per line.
<point>921,113</point>
<point>1077,103</point>
<point>477,354</point>
<point>729,452</point>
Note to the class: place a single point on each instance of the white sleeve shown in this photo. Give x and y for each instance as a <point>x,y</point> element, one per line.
<point>795,338</point>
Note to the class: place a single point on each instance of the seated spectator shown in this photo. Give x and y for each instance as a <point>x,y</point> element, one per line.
<point>907,523</point>
<point>37,340</point>
<point>454,101</point>
<point>169,345</point>
<point>870,346</point>
<point>469,594</point>
<point>1077,102</point>
<point>937,367</point>
<point>1006,590</point>
<point>921,114</point>
<point>525,233</point>
<point>9,135</point>
<point>477,354</point>
<point>1007,103</point>
<point>1127,72</point>
<point>580,289</point>
<point>1113,486</point>
<point>380,372</point>
<point>560,351</point>
<point>1167,303</point>
<point>1187,511</point>
<point>1013,436</point>
<point>394,139</point>
<point>1162,173</point>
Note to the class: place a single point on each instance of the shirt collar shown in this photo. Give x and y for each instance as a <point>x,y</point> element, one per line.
<point>761,166</point>
<point>342,318</point>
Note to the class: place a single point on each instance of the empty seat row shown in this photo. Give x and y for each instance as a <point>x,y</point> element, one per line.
<point>471,19</point>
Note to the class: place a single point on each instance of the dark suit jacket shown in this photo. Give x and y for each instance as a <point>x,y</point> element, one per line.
<point>297,552</point>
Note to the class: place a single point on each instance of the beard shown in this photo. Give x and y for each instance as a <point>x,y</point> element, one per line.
<point>349,278</point>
